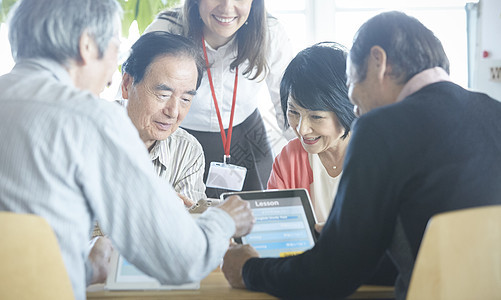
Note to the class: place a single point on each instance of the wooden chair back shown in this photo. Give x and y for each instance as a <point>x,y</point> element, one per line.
<point>460,256</point>
<point>31,265</point>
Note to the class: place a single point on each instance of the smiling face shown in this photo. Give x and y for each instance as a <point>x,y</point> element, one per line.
<point>317,130</point>
<point>159,103</point>
<point>222,19</point>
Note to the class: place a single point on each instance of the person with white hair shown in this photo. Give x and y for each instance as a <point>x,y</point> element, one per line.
<point>73,158</point>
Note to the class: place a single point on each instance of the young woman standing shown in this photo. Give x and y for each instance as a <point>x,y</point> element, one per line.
<point>246,50</point>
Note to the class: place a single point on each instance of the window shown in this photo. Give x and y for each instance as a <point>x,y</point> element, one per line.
<point>310,21</point>
<point>293,15</point>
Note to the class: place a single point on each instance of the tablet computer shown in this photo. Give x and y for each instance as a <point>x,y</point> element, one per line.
<point>125,276</point>
<point>284,221</point>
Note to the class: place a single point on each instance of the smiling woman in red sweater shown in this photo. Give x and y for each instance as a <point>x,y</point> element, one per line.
<point>314,99</point>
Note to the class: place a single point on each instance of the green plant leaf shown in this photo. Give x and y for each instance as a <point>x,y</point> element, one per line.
<point>143,11</point>
<point>5,6</point>
<point>129,14</point>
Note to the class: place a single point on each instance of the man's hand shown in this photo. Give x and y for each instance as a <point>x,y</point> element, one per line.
<point>241,213</point>
<point>187,202</point>
<point>99,256</point>
<point>234,261</point>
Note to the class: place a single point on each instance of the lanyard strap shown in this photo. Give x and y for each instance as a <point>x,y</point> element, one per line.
<point>225,138</point>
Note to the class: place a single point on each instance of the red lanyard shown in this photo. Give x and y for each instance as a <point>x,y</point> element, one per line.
<point>226,139</point>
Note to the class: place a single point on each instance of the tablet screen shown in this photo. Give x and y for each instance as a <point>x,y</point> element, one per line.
<point>284,222</point>
<point>127,272</point>
<point>125,276</point>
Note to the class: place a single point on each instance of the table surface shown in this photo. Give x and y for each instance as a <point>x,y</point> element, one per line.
<point>215,286</point>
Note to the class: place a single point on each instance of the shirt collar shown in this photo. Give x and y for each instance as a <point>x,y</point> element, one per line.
<point>159,151</point>
<point>230,45</point>
<point>421,80</point>
<point>58,71</point>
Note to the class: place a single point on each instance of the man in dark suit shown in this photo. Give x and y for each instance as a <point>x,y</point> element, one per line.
<point>422,145</point>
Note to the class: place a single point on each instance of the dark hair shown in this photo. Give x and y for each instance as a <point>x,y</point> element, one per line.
<point>316,80</point>
<point>158,43</point>
<point>410,46</point>
<point>252,38</point>
<point>52,29</point>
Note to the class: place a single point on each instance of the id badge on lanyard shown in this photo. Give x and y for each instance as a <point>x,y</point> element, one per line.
<point>224,175</point>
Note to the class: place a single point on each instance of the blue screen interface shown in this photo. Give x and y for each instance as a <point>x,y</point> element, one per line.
<point>281,227</point>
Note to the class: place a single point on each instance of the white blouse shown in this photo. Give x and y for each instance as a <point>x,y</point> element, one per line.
<point>323,189</point>
<point>202,115</point>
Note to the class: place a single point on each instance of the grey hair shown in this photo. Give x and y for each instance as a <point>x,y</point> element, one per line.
<point>52,29</point>
<point>410,46</point>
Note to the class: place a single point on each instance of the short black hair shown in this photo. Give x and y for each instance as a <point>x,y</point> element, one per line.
<point>157,43</point>
<point>410,47</point>
<point>316,80</point>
